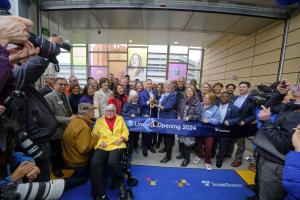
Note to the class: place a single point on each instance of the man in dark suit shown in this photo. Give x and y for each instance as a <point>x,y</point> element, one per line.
<point>59,104</point>
<point>245,102</point>
<point>147,112</point>
<point>229,117</point>
<point>49,84</point>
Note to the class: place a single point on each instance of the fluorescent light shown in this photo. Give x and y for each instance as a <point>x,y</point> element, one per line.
<point>130,41</point>
<point>176,42</point>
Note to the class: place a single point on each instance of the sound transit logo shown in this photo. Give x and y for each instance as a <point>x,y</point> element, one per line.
<point>227,185</point>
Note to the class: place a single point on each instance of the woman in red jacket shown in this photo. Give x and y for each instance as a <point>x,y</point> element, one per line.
<point>119,98</point>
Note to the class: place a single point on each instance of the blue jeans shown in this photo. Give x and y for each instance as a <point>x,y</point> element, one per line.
<point>78,178</point>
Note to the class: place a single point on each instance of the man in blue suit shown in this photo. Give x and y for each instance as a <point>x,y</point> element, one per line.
<point>146,111</point>
<point>229,117</point>
<point>245,102</point>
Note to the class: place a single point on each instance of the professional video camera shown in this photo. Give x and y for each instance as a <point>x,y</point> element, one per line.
<point>263,93</point>
<point>48,49</point>
<point>51,190</point>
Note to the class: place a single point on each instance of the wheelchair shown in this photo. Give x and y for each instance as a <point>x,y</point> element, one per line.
<point>126,192</point>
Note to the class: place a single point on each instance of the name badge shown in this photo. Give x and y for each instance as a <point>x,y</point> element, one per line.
<point>60,102</point>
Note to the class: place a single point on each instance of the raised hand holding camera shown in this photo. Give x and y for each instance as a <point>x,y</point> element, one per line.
<point>14,30</point>
<point>22,53</point>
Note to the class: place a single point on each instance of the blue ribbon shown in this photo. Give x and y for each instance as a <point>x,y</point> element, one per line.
<point>186,128</point>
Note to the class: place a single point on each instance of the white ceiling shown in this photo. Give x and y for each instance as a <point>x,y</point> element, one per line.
<point>148,26</point>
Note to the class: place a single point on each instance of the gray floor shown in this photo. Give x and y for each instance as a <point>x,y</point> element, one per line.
<point>153,159</point>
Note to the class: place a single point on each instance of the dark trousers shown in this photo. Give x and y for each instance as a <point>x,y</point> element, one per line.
<point>224,147</point>
<point>169,142</point>
<point>133,142</point>
<point>44,163</point>
<point>79,177</point>
<point>56,157</point>
<point>99,160</point>
<point>146,140</point>
<point>207,142</point>
<point>270,180</point>
<point>187,152</point>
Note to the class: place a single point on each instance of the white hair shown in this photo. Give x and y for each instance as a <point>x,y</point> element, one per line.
<point>132,94</point>
<point>111,107</point>
<point>169,82</point>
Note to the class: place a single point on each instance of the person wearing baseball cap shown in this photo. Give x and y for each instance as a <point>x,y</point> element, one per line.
<point>77,144</point>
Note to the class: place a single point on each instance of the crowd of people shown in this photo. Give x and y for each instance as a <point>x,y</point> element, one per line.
<point>56,121</point>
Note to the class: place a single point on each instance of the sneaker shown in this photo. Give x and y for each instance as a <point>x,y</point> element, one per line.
<point>208,166</point>
<point>196,160</point>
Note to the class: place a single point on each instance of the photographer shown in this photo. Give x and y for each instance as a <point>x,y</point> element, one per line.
<point>275,141</point>
<point>25,104</point>
<point>16,167</point>
<point>13,30</point>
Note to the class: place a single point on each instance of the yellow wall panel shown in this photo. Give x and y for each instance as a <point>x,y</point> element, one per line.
<point>240,55</point>
<point>271,68</point>
<point>295,23</point>
<point>293,37</point>
<point>217,70</point>
<point>241,46</point>
<point>218,63</point>
<point>216,77</point>
<point>238,73</point>
<point>292,65</point>
<point>256,80</point>
<point>268,46</point>
<point>292,51</point>
<point>219,56</point>
<point>239,64</point>
<point>269,34</point>
<point>237,40</point>
<point>265,58</point>
<point>291,78</point>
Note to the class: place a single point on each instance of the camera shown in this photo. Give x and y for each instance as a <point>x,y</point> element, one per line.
<point>8,191</point>
<point>29,147</point>
<point>37,190</point>
<point>48,49</point>
<point>263,93</point>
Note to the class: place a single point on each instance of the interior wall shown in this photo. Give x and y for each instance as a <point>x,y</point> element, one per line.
<point>254,58</point>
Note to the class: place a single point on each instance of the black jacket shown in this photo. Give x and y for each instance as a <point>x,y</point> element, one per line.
<point>45,90</point>
<point>280,132</point>
<point>41,122</point>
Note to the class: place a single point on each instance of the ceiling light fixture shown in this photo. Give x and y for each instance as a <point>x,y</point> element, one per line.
<point>130,41</point>
<point>176,42</point>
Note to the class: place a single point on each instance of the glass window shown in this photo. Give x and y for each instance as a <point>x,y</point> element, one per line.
<point>179,49</point>
<point>117,56</point>
<point>177,70</point>
<point>98,72</point>
<point>118,68</point>
<point>158,48</point>
<point>98,47</point>
<point>193,74</point>
<point>64,58</point>
<point>99,59</point>
<point>64,71</point>
<point>117,47</point>
<point>79,55</point>
<point>175,58</point>
<point>195,57</point>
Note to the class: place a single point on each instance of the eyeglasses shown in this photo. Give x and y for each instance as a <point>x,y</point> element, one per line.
<point>62,84</point>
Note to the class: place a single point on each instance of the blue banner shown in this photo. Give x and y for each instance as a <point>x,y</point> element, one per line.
<point>186,128</point>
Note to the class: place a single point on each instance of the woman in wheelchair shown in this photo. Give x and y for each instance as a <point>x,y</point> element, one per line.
<point>113,133</point>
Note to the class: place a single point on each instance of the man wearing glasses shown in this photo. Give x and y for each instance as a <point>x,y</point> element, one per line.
<point>60,105</point>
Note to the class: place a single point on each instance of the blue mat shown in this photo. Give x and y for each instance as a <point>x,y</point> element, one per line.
<point>162,183</point>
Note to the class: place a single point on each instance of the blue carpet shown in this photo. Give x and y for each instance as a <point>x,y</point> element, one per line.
<point>163,183</point>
